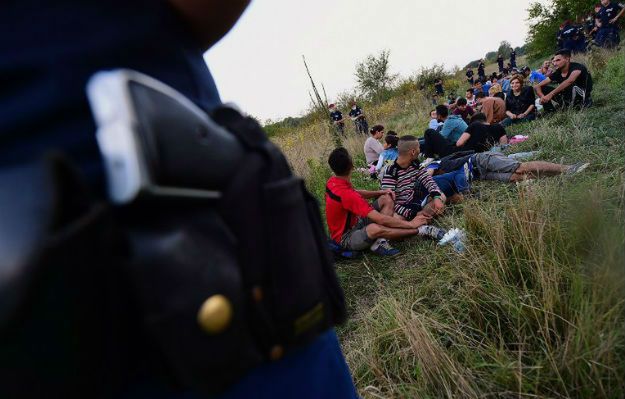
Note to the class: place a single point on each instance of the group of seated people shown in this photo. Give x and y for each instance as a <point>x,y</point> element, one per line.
<point>480,117</point>
<point>412,193</point>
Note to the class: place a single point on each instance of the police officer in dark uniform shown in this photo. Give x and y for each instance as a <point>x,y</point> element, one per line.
<point>337,118</point>
<point>500,62</point>
<point>608,34</point>
<point>480,70</point>
<point>360,121</point>
<point>469,75</point>
<point>513,58</point>
<point>88,336</point>
<point>438,87</point>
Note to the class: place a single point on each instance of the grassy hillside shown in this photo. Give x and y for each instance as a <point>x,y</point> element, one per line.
<point>535,307</point>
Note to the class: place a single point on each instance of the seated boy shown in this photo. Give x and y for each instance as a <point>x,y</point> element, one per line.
<point>355,224</point>
<point>463,109</point>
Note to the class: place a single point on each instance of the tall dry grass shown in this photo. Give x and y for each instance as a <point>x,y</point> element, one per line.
<point>536,306</point>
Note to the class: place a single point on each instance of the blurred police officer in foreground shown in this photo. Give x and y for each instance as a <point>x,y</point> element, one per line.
<point>88,341</point>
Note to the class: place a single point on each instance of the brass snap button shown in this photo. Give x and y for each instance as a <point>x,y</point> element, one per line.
<point>215,314</point>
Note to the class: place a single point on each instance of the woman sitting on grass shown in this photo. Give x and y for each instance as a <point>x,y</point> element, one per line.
<point>520,103</point>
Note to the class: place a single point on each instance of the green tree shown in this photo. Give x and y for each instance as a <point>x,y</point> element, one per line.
<point>373,75</point>
<point>505,48</point>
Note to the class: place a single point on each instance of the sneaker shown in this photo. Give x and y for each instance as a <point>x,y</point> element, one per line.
<point>431,231</point>
<point>385,249</point>
<point>577,168</point>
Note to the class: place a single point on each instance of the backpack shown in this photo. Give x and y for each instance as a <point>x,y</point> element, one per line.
<point>456,160</point>
<point>112,294</point>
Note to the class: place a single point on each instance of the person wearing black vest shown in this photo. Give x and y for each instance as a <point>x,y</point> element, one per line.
<point>608,15</point>
<point>574,84</point>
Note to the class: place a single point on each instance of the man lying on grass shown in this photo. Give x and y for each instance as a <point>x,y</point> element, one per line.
<point>354,224</point>
<point>499,167</point>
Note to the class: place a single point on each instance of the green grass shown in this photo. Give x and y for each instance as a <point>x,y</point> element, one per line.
<point>535,307</point>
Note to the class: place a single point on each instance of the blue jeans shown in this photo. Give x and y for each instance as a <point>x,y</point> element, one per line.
<point>508,122</point>
<point>452,183</point>
<point>317,370</point>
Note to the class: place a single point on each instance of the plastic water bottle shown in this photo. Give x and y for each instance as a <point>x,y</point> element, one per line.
<point>539,106</point>
<point>456,238</point>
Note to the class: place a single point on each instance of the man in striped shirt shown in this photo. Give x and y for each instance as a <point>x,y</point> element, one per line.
<point>416,192</point>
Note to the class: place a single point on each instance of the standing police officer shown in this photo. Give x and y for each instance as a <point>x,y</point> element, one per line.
<point>608,15</point>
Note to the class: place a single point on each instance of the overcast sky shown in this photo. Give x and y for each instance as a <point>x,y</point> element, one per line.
<point>259,65</point>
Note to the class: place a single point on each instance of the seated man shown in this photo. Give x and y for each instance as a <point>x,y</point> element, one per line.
<point>493,107</point>
<point>464,109</point>
<point>574,84</point>
<point>416,193</point>
<point>453,125</point>
<point>470,97</point>
<point>479,136</point>
<point>499,167</point>
<point>356,225</point>
<point>478,88</point>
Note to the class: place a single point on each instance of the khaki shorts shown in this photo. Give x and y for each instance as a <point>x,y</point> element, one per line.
<point>495,166</point>
<point>356,239</point>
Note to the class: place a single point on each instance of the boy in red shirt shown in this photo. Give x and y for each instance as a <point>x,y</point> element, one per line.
<point>355,224</point>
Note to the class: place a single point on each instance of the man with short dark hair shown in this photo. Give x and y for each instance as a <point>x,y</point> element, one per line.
<point>493,107</point>
<point>478,87</point>
<point>358,116</point>
<point>355,224</point>
<point>337,119</point>
<point>541,73</point>
<point>574,84</point>
<point>463,109</point>
<point>481,136</point>
<point>453,125</point>
<point>500,62</point>
<point>416,193</point>
<point>470,97</point>
<point>499,167</point>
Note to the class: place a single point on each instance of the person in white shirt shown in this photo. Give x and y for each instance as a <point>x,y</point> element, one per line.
<point>373,148</point>
<point>470,97</point>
